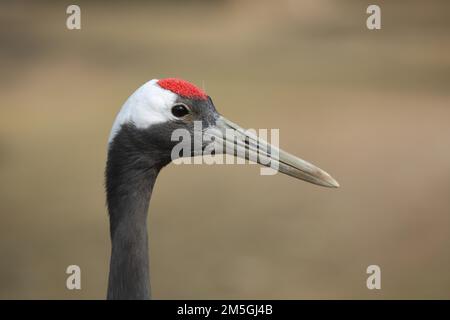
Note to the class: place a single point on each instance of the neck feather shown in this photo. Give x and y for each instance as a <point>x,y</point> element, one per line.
<point>130,177</point>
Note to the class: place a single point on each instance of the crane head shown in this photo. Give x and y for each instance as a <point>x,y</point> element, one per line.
<point>159,108</point>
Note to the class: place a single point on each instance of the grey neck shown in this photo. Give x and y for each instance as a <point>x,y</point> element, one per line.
<point>129,266</point>
<point>130,177</point>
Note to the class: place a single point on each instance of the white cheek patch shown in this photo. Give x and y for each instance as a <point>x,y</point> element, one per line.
<point>148,105</point>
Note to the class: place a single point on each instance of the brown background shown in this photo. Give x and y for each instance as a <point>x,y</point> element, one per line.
<point>370,107</point>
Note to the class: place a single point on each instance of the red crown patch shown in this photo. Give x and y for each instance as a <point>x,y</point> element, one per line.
<point>182,88</point>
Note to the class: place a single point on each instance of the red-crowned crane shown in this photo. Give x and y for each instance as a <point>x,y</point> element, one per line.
<point>141,144</point>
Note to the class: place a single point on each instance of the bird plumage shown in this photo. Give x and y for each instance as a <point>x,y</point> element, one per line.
<point>140,145</point>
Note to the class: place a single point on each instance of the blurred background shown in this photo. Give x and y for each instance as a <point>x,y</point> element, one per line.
<point>370,107</point>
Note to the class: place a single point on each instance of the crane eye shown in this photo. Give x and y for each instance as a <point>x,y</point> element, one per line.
<point>180,110</point>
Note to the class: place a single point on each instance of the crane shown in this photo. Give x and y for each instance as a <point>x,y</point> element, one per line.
<point>140,145</point>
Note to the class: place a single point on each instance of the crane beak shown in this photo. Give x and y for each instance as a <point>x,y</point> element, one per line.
<point>229,138</point>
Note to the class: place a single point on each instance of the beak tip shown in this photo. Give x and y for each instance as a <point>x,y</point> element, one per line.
<point>330,181</point>
<point>335,184</point>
